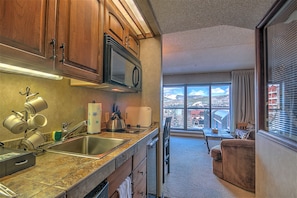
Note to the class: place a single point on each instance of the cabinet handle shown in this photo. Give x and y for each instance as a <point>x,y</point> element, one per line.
<point>127,41</point>
<point>21,163</point>
<point>63,53</point>
<point>53,43</point>
<point>141,172</point>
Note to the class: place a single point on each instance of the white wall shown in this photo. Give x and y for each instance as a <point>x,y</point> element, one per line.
<point>276,170</point>
<point>150,56</point>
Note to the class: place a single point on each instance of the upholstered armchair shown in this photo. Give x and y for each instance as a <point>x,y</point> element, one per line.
<point>234,160</point>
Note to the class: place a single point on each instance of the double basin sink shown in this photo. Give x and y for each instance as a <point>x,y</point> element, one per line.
<point>87,146</point>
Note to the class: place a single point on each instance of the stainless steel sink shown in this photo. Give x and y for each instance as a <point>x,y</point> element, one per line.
<point>88,146</point>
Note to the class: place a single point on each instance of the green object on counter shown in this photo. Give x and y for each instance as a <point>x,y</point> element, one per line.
<point>57,135</point>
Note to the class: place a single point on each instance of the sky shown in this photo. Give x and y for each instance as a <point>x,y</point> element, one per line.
<point>171,92</point>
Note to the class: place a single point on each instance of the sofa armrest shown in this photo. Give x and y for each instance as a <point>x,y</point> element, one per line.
<point>238,162</point>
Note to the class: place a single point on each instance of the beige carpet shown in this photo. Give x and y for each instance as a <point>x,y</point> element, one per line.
<point>191,173</point>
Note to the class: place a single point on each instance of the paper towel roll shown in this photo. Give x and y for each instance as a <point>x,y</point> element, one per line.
<point>94,117</point>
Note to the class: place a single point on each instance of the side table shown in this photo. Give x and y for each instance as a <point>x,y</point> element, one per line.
<point>221,134</point>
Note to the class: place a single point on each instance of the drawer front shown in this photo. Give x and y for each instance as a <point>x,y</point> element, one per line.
<point>139,180</point>
<point>139,172</point>
<point>139,156</point>
<point>20,163</point>
<point>139,191</point>
<point>121,159</point>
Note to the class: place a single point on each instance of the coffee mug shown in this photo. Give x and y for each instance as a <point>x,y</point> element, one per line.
<point>34,141</point>
<point>37,121</point>
<point>15,123</point>
<point>36,105</point>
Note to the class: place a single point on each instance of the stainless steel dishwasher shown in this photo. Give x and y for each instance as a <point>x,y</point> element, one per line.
<point>152,167</point>
<point>100,191</point>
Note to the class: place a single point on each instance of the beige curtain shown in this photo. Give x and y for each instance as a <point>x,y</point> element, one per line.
<point>243,97</point>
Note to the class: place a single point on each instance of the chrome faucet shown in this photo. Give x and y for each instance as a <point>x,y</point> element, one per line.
<point>74,130</point>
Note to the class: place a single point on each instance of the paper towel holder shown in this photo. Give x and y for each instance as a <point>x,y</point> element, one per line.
<point>94,117</point>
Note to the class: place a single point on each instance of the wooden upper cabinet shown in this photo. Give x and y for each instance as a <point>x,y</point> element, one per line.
<point>116,26</point>
<point>133,44</point>
<point>80,39</point>
<point>26,32</point>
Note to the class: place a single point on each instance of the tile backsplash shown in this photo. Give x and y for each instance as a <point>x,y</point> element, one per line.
<point>65,103</point>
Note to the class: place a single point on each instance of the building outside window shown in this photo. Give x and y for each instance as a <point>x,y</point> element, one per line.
<point>194,107</point>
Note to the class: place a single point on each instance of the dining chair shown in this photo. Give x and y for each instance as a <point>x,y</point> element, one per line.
<point>166,146</point>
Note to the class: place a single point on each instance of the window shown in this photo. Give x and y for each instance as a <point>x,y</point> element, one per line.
<point>173,105</point>
<point>194,107</point>
<point>277,72</point>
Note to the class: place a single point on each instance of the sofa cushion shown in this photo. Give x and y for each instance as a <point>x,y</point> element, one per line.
<point>245,134</point>
<point>216,152</point>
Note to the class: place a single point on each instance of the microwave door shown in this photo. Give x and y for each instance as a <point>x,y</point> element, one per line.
<point>117,70</point>
<point>129,73</point>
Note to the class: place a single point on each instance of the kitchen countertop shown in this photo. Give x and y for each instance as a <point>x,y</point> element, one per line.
<point>58,175</point>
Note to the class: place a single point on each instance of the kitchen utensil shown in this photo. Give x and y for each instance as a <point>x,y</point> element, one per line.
<point>116,124</point>
<point>116,111</point>
<point>15,123</point>
<point>37,121</point>
<point>6,191</point>
<point>36,105</point>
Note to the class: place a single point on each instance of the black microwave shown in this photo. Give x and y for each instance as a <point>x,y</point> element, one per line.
<point>120,66</point>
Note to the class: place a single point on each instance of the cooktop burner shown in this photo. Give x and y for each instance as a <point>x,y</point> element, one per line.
<point>130,129</point>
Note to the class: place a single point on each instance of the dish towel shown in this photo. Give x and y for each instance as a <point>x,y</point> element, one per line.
<point>125,189</point>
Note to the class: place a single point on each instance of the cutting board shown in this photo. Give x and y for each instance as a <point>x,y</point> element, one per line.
<point>141,116</point>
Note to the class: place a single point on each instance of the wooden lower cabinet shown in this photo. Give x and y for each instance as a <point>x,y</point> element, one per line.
<point>135,167</point>
<point>139,180</point>
<point>139,173</point>
<point>117,177</point>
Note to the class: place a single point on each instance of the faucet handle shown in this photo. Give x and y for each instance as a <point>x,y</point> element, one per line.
<point>65,125</point>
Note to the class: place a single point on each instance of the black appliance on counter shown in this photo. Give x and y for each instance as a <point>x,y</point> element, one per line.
<point>14,160</point>
<point>120,66</point>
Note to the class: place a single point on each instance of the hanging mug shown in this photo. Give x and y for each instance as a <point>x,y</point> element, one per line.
<point>36,121</point>
<point>34,141</point>
<point>15,123</point>
<point>36,105</point>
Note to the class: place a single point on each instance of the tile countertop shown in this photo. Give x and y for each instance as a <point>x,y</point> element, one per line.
<point>58,175</point>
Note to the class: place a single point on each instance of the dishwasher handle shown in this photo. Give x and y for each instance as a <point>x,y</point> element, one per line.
<point>153,142</point>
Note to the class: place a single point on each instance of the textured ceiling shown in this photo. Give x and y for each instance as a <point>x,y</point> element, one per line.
<point>200,36</point>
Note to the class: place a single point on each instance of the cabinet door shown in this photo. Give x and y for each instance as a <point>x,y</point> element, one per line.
<point>118,176</point>
<point>80,39</point>
<point>26,31</point>
<point>133,44</point>
<point>139,180</point>
<point>114,25</point>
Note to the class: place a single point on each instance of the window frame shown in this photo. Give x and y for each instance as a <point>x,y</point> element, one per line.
<point>262,78</point>
<point>186,108</point>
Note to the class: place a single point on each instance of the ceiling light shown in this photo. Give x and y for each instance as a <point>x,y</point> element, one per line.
<point>139,17</point>
<point>29,72</point>
<point>133,17</point>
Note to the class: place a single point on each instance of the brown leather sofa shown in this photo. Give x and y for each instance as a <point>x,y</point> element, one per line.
<point>234,160</point>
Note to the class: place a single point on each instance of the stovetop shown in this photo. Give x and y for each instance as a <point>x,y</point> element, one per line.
<point>130,129</point>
